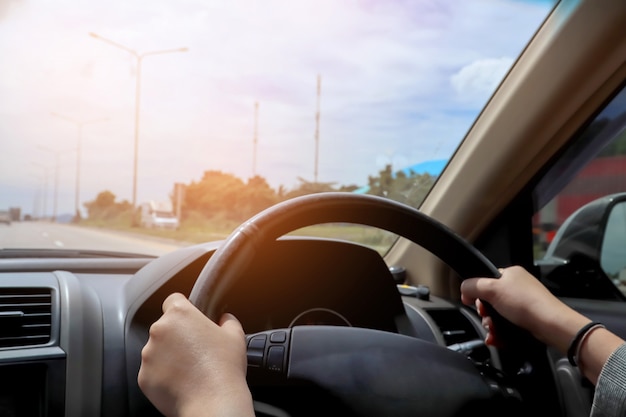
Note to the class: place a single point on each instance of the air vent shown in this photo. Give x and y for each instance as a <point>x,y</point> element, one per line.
<point>25,316</point>
<point>459,333</point>
<point>454,326</point>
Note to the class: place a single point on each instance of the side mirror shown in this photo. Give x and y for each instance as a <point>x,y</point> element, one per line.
<point>613,249</point>
<point>587,257</point>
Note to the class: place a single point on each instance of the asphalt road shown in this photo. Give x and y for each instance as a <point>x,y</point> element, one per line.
<point>43,235</point>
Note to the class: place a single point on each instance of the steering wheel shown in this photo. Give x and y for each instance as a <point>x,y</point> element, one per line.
<point>370,372</point>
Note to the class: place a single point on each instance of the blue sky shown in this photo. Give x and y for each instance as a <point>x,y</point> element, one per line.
<point>401,83</point>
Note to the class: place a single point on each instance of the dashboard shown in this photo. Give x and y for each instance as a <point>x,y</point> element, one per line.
<point>72,330</point>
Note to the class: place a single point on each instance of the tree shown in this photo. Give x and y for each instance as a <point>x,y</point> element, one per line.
<point>310,187</point>
<point>216,193</point>
<point>382,185</point>
<point>257,196</point>
<point>105,207</point>
<point>226,196</point>
<point>410,189</point>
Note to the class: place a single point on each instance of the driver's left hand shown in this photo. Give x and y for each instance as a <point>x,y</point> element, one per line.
<point>194,366</point>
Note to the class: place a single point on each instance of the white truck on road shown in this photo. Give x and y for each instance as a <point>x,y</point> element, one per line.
<point>158,215</point>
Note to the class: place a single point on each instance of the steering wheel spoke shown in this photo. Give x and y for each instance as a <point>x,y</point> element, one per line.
<point>372,372</point>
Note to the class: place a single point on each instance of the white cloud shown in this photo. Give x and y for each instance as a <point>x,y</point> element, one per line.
<point>476,81</point>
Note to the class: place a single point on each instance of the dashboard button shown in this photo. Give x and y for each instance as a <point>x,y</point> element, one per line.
<point>275,358</point>
<point>257,342</point>
<point>256,349</point>
<point>278,337</point>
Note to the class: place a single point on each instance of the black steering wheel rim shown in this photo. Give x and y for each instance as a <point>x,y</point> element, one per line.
<point>224,267</point>
<point>345,361</point>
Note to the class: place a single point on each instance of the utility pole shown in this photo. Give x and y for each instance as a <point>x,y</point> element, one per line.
<point>36,213</point>
<point>56,153</point>
<point>179,194</point>
<point>255,140</point>
<point>45,190</point>
<point>139,58</point>
<point>79,125</point>
<point>317,127</point>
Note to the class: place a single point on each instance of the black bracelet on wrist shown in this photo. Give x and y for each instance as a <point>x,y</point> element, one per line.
<point>574,346</point>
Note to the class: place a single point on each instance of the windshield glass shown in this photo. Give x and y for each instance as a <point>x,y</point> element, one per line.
<point>181,119</point>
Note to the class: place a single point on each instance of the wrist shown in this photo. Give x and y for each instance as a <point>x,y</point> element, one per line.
<point>573,351</point>
<point>236,402</point>
<point>559,328</point>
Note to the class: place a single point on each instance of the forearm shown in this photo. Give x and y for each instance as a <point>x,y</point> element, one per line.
<point>593,350</point>
<point>556,327</point>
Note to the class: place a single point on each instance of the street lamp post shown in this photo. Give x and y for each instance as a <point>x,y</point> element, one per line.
<point>44,189</point>
<point>79,124</point>
<point>139,57</point>
<point>57,154</point>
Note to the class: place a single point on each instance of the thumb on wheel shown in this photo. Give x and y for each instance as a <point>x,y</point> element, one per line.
<point>230,323</point>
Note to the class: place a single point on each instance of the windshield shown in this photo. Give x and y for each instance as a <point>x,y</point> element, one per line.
<point>210,111</point>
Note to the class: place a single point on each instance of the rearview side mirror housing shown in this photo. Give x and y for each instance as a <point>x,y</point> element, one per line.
<point>587,257</point>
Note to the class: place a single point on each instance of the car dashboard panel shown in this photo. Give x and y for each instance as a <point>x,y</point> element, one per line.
<point>31,363</point>
<point>96,320</point>
<point>313,281</point>
<point>38,358</point>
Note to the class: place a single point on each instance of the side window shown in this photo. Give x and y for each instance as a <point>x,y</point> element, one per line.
<point>579,226</point>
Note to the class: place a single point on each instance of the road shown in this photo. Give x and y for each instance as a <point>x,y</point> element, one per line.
<point>44,235</point>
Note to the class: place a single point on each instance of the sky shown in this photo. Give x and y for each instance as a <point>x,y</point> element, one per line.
<point>401,83</point>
